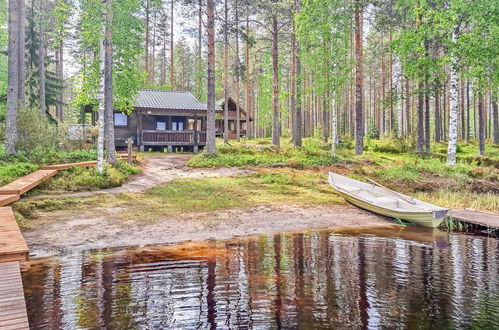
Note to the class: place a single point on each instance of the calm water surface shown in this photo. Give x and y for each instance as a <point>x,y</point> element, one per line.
<point>383,279</point>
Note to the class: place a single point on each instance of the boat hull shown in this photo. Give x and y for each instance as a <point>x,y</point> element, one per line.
<point>425,219</point>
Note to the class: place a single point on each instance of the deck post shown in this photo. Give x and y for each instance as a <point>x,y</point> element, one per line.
<point>141,148</point>
<point>170,148</point>
<point>129,144</point>
<point>196,148</point>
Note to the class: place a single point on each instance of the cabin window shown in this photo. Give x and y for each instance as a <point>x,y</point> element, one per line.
<point>177,125</point>
<point>160,126</point>
<point>120,119</point>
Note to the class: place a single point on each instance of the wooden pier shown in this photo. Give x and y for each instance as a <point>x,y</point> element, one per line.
<point>476,218</point>
<point>14,252</point>
<point>13,313</point>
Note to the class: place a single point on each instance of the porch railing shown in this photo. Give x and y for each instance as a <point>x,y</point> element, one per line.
<point>171,137</point>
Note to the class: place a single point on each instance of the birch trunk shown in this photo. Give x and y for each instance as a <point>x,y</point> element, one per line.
<point>13,78</point>
<point>108,86</point>
<point>211,148</point>
<point>41,61</point>
<point>334,131</point>
<point>100,97</point>
<point>454,108</point>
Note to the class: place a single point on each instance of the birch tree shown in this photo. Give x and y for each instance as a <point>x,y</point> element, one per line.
<point>211,147</point>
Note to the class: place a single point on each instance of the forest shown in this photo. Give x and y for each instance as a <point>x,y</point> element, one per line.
<point>423,71</point>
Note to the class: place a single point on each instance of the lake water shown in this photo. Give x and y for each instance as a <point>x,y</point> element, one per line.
<point>377,279</point>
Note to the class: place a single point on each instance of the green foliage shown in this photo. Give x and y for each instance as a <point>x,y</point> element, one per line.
<point>75,179</point>
<point>9,171</point>
<point>128,29</point>
<point>256,153</point>
<point>36,133</point>
<point>390,144</point>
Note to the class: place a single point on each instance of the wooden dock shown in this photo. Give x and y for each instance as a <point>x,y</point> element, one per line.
<point>476,218</point>
<point>13,247</point>
<point>13,313</point>
<point>14,252</point>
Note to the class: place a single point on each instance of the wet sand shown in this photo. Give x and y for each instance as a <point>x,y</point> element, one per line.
<point>102,230</point>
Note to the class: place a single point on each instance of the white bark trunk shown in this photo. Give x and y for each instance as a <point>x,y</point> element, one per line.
<point>454,108</point>
<point>100,138</point>
<point>334,131</point>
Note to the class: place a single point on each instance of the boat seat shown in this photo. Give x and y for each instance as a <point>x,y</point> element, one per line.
<point>385,202</point>
<point>350,189</point>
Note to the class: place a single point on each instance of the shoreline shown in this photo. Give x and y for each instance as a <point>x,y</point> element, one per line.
<point>91,231</point>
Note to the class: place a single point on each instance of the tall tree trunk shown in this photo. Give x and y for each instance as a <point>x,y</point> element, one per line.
<point>147,42</point>
<point>481,124</point>
<point>292,83</point>
<point>359,129</point>
<point>427,118</point>
<point>249,123</point>
<point>495,119</point>
<point>390,83</point>
<point>108,86</point>
<point>408,115</point>
<point>152,66</point>
<point>454,108</point>
<point>276,131</point>
<point>21,63</point>
<point>171,45</point>
<point>13,76</point>
<point>211,147</point>
<point>467,111</point>
<point>41,60</point>
<point>238,91</point>
<point>226,74</point>
<point>60,75</point>
<point>298,95</point>
<point>421,133</point>
<point>382,125</point>
<point>438,116</point>
<point>101,99</point>
<point>199,58</point>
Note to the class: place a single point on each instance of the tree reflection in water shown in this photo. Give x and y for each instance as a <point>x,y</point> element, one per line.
<point>410,278</point>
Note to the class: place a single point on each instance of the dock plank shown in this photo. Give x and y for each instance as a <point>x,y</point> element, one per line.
<point>7,199</point>
<point>13,247</point>
<point>12,303</point>
<point>26,183</point>
<point>476,217</point>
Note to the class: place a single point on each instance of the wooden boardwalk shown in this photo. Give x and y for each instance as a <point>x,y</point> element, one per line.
<point>26,183</point>
<point>482,219</point>
<point>13,247</point>
<point>13,313</point>
<point>14,252</point>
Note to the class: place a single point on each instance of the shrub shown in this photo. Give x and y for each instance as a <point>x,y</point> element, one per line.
<point>36,132</point>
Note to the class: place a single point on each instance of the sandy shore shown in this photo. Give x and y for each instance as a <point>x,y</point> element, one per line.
<point>82,232</point>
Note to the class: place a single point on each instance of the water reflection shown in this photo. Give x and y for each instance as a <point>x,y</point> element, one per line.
<point>410,278</point>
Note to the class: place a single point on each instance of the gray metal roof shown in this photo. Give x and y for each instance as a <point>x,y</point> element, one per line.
<point>174,100</point>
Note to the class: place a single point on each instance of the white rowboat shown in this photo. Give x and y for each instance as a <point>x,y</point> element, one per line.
<point>381,200</point>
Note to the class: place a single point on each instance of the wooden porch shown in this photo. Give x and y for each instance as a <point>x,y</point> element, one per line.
<point>189,138</point>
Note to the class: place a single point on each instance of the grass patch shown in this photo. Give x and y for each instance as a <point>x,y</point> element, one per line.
<point>260,153</point>
<point>88,178</point>
<point>268,187</point>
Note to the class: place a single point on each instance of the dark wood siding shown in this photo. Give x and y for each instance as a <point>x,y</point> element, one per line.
<point>121,133</point>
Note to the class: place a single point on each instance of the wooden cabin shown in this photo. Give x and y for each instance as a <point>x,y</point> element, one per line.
<point>244,118</point>
<point>170,120</point>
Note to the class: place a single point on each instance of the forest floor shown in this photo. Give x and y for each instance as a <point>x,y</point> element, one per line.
<point>275,191</point>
